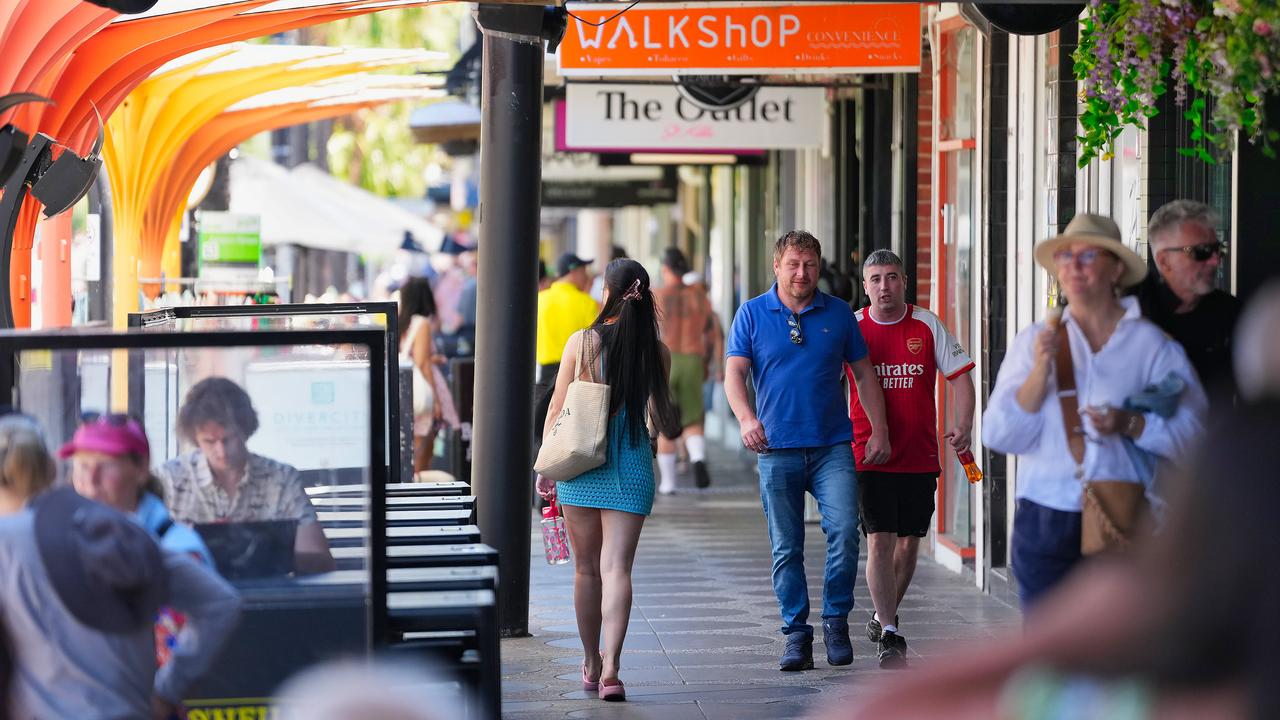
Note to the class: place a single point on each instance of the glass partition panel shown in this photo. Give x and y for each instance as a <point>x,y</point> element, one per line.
<point>242,430</point>
<point>379,316</point>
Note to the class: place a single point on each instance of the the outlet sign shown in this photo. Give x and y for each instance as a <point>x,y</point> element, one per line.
<point>657,118</point>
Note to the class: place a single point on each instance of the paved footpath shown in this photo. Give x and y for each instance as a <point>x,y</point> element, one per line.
<point>703,641</point>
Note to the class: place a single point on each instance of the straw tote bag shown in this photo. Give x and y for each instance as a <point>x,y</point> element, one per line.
<point>578,440</point>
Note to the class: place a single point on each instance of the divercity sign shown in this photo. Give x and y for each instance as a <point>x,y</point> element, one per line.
<point>606,117</point>
<point>741,39</point>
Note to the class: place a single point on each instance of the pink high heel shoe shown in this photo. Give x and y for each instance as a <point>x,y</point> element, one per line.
<point>613,692</point>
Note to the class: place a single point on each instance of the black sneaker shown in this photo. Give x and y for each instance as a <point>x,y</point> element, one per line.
<point>799,652</point>
<point>893,650</point>
<point>835,635</point>
<point>701,478</point>
<point>874,629</point>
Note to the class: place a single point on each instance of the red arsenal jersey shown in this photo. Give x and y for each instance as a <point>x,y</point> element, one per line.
<point>906,354</point>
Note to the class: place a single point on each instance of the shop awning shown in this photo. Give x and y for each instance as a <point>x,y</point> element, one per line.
<point>300,207</point>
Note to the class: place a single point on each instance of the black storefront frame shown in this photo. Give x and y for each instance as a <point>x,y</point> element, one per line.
<point>14,342</point>
<point>155,318</point>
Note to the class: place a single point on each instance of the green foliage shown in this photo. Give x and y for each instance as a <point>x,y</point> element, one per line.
<point>375,148</point>
<point>1224,50</point>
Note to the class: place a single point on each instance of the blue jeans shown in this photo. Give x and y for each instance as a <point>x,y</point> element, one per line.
<point>1046,547</point>
<point>828,473</point>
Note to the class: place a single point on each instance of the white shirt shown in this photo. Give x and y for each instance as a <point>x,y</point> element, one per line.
<point>1136,355</point>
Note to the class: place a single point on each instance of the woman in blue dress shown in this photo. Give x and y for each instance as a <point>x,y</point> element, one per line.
<point>605,508</point>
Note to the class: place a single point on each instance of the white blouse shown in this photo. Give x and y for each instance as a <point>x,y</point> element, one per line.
<point>1136,355</point>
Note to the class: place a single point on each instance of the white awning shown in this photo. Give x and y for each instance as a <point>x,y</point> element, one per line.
<point>307,207</point>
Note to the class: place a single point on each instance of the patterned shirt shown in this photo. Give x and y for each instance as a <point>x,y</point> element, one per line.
<point>270,490</point>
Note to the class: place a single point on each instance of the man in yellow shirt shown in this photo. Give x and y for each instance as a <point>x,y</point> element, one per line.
<point>563,309</point>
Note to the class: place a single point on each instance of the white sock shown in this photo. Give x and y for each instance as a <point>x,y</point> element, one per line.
<point>697,446</point>
<point>667,469</point>
<point>891,628</point>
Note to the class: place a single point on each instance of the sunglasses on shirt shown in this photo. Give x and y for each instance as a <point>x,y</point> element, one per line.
<point>797,336</point>
<point>1201,252</point>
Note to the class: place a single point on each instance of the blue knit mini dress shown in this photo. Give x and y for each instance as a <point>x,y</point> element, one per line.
<point>624,482</point>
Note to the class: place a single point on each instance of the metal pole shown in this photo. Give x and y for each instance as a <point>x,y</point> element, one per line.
<point>510,203</point>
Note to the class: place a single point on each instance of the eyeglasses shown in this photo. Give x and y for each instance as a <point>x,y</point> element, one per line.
<point>1086,256</point>
<point>797,336</point>
<point>1201,252</point>
<point>113,419</point>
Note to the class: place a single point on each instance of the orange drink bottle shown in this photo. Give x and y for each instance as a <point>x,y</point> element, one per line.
<point>971,469</point>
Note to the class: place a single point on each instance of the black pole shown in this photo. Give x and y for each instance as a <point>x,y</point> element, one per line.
<point>510,203</point>
<point>15,191</point>
<point>100,297</point>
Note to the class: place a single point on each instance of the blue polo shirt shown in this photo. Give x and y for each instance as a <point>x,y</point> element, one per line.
<point>799,396</point>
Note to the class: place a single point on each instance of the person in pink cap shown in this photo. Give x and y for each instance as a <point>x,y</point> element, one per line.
<point>110,462</point>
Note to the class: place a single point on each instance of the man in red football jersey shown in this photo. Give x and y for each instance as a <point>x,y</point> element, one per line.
<point>908,346</point>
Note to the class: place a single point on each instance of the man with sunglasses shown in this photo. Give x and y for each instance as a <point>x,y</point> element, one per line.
<point>795,340</point>
<point>1180,293</point>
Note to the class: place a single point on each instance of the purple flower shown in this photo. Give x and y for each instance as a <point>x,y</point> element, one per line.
<point>1262,27</point>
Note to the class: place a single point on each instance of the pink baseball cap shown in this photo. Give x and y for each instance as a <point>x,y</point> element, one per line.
<point>110,434</point>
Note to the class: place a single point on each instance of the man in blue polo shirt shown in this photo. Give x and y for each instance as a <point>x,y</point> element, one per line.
<point>795,341</point>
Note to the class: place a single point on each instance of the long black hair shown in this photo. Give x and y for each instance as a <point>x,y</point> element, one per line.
<point>416,298</point>
<point>628,328</point>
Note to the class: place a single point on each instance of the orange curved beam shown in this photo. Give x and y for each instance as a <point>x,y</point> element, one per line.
<point>164,214</point>
<point>159,117</point>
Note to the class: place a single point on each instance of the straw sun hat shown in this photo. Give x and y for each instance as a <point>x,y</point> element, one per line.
<point>1099,231</point>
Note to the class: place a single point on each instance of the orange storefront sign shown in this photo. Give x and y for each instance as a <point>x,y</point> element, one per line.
<point>741,38</point>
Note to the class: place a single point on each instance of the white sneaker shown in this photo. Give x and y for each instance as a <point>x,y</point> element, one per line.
<point>666,489</point>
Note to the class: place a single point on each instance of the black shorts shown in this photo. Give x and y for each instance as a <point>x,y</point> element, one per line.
<point>899,503</point>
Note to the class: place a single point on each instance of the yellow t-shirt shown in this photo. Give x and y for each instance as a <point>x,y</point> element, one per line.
<point>562,311</point>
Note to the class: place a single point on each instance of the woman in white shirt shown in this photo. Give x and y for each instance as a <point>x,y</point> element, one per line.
<point>1115,353</point>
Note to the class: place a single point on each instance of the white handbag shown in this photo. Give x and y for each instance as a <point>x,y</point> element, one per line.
<point>424,395</point>
<point>578,440</point>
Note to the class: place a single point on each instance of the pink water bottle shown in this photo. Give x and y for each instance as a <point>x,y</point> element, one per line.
<point>554,538</point>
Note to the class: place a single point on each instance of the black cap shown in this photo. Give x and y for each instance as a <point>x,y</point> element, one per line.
<point>569,262</point>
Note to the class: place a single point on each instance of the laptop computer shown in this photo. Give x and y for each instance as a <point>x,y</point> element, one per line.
<point>244,550</point>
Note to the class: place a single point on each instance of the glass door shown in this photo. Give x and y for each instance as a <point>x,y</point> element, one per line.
<point>958,221</point>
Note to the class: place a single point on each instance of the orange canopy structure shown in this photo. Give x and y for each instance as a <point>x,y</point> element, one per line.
<point>156,122</point>
<point>86,57</point>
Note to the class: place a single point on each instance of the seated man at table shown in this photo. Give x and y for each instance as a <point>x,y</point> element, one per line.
<point>221,481</point>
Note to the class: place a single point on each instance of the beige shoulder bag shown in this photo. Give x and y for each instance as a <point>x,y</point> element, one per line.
<point>1112,510</point>
<point>579,439</point>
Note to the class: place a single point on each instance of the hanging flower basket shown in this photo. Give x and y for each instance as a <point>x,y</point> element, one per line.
<point>1131,51</point>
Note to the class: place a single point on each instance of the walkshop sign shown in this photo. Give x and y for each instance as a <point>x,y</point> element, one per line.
<point>745,38</point>
<point>657,118</point>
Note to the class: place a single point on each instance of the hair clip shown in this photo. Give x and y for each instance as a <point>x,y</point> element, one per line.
<point>634,292</point>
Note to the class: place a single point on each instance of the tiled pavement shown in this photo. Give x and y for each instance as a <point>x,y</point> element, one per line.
<point>703,640</point>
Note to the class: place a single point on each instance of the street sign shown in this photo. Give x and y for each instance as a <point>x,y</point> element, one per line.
<point>230,246</point>
<point>657,118</point>
<point>746,38</point>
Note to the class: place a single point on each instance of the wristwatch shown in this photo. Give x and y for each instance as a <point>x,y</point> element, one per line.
<point>1132,428</point>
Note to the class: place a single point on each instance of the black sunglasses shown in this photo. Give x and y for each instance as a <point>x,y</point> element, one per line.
<point>797,336</point>
<point>1201,252</point>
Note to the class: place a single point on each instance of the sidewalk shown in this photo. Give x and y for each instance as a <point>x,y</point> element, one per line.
<point>703,641</point>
